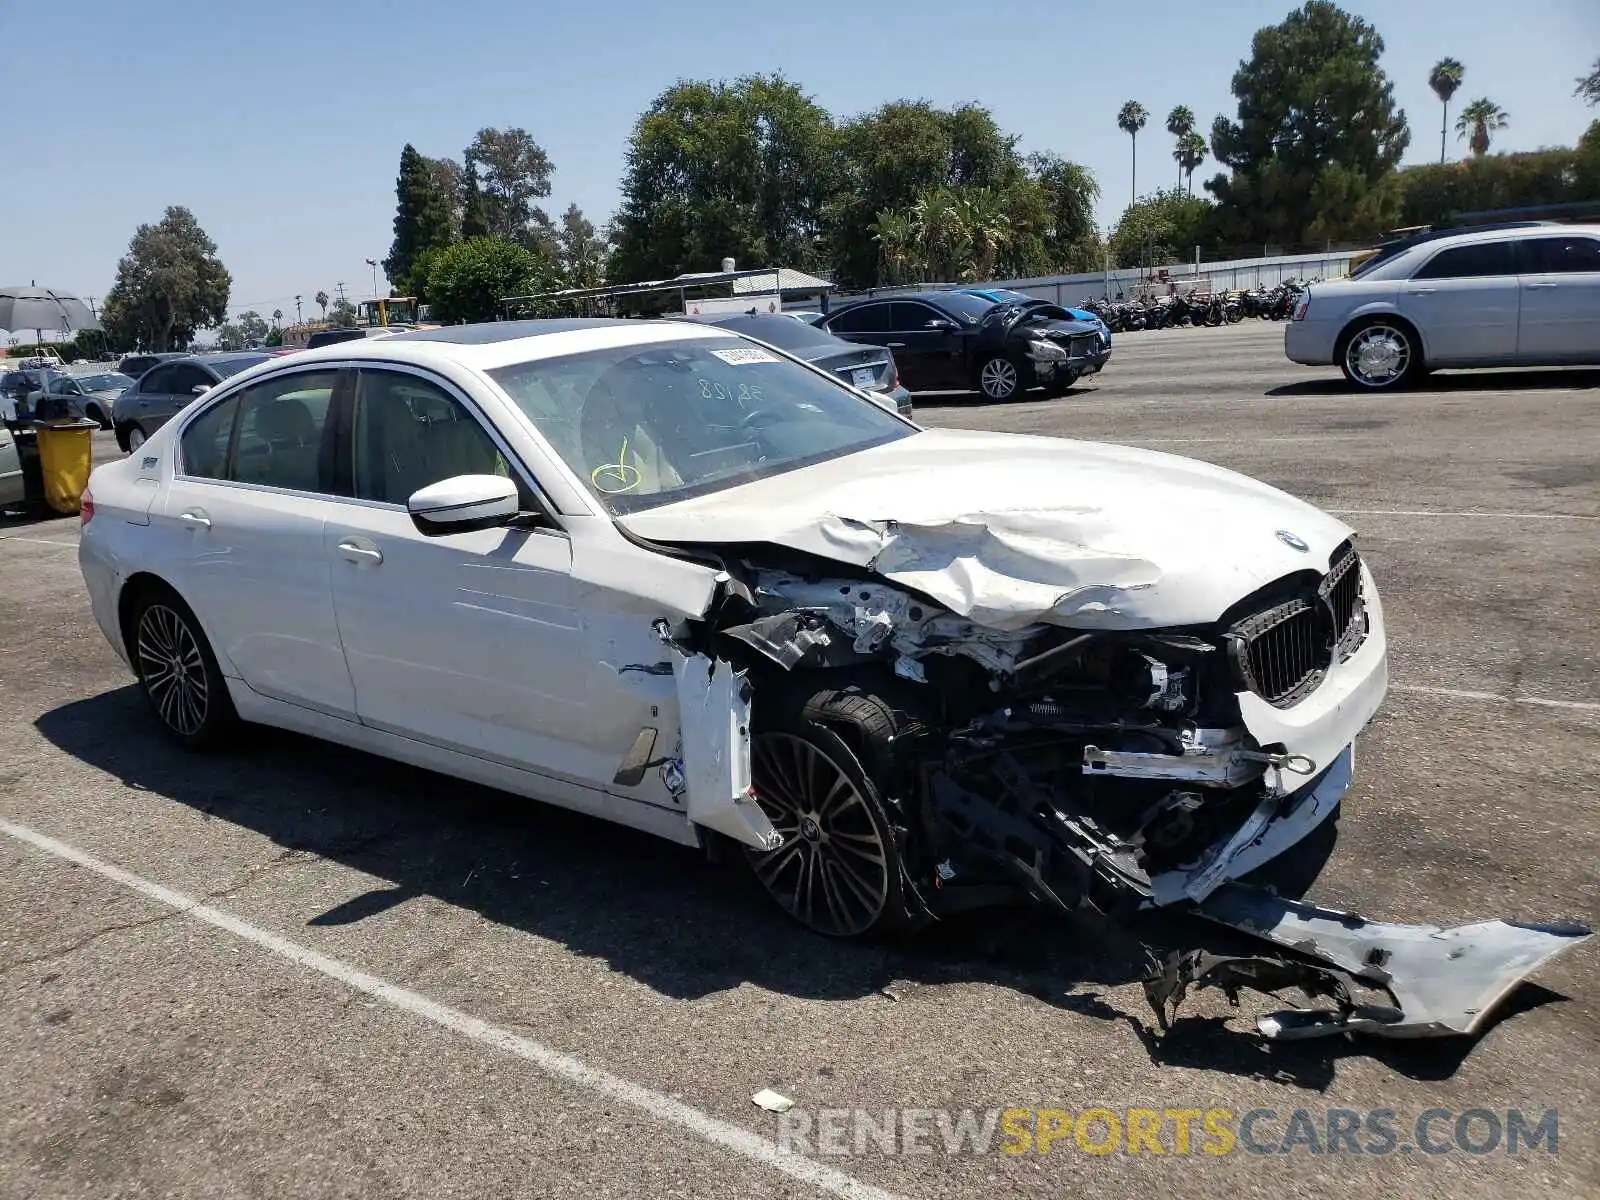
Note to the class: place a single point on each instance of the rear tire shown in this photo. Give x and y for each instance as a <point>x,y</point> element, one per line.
<point>177,670</point>
<point>96,414</point>
<point>135,438</point>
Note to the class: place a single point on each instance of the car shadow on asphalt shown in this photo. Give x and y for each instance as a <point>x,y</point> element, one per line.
<point>1452,381</point>
<point>657,912</point>
<point>955,400</point>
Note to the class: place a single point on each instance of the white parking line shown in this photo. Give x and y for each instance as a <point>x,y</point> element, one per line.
<point>1493,697</point>
<point>554,1063</point>
<point>1423,512</point>
<point>17,537</point>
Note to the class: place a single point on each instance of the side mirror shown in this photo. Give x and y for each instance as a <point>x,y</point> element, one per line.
<point>200,389</point>
<point>462,504</point>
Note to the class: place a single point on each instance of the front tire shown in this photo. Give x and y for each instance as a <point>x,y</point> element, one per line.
<point>94,413</point>
<point>999,378</point>
<point>178,671</point>
<point>1380,355</point>
<point>135,438</point>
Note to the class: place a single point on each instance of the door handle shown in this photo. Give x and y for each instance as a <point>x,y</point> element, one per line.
<point>360,554</point>
<point>1421,291</point>
<point>195,519</point>
<point>1530,286</point>
<point>895,345</point>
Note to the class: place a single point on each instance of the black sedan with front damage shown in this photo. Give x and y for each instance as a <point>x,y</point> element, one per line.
<point>1001,347</point>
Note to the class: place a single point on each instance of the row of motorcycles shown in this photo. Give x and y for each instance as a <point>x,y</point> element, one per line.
<point>1199,308</point>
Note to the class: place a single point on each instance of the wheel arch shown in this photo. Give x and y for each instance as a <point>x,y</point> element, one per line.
<point>1368,314</point>
<point>145,583</point>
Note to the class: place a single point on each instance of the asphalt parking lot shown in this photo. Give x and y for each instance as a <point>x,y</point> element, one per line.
<point>367,980</point>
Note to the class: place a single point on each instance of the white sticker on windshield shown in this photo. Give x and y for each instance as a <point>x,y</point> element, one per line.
<point>744,356</point>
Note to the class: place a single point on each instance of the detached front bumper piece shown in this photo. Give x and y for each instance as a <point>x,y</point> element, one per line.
<point>1399,981</point>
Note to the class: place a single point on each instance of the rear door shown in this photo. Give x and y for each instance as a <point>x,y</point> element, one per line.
<point>181,381</point>
<point>151,405</point>
<point>928,356</point>
<point>1465,301</point>
<point>1560,315</point>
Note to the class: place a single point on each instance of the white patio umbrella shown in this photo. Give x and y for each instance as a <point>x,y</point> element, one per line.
<point>38,309</point>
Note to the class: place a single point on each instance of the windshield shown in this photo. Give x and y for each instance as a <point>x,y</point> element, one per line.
<point>103,383</point>
<point>232,366</point>
<point>649,425</point>
<point>968,307</point>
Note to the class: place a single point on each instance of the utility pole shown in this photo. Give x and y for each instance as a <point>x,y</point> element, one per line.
<point>339,287</point>
<point>297,310</point>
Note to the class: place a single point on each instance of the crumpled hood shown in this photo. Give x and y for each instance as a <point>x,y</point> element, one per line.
<point>1008,530</point>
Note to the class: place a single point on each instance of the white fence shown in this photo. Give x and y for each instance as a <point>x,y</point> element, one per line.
<point>1236,275</point>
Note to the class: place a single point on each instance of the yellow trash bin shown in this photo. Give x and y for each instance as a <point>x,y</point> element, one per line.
<point>66,453</point>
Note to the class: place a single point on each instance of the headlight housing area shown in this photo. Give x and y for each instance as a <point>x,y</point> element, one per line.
<point>1045,351</point>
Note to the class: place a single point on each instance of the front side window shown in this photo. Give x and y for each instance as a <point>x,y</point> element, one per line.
<point>270,434</point>
<point>156,381</point>
<point>648,425</point>
<point>410,433</point>
<point>182,380</point>
<point>1467,262</point>
<point>1561,255</point>
<point>912,318</point>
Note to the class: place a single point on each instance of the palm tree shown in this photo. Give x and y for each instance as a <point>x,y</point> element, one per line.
<point>322,302</point>
<point>1191,152</point>
<point>940,232</point>
<point>987,225</point>
<point>1444,79</point>
<point>277,316</point>
<point>1588,89</point>
<point>1131,118</point>
<point>1180,124</point>
<point>1478,120</point>
<point>896,235</point>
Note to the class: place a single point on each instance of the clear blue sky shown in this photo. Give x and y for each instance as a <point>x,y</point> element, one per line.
<point>280,125</point>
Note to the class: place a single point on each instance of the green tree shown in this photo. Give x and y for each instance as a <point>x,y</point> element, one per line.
<point>169,284</point>
<point>1180,124</point>
<point>230,337</point>
<point>1161,227</point>
<point>253,327</point>
<point>343,314</point>
<point>274,338</point>
<point>322,302</point>
<point>467,281</point>
<point>580,251</point>
<point>1588,89</point>
<point>1313,152</point>
<point>1444,79</point>
<point>449,180</point>
<point>1131,118</point>
<point>422,216</point>
<point>1067,238</point>
<point>277,318</point>
<point>1190,153</point>
<point>720,169</point>
<point>1478,122</point>
<point>898,244</point>
<point>509,171</point>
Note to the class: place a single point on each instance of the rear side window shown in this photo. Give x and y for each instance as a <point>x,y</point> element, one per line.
<point>869,318</point>
<point>1560,255</point>
<point>155,381</point>
<point>270,434</point>
<point>1469,262</point>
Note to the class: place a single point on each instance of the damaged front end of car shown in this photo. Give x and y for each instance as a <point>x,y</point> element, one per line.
<point>1107,772</point>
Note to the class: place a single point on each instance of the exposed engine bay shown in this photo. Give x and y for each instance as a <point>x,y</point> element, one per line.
<point>1109,772</point>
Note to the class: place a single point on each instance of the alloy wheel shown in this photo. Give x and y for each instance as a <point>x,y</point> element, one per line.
<point>173,669</point>
<point>1378,356</point>
<point>832,870</point>
<point>998,378</point>
<point>135,438</point>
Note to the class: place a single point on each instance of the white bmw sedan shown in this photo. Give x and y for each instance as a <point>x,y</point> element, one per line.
<point>676,579</point>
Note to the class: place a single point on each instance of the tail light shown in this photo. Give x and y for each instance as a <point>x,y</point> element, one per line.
<point>894,375</point>
<point>1301,307</point>
<point>86,508</point>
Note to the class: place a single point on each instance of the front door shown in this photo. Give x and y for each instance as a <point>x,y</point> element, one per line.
<point>1465,301</point>
<point>926,346</point>
<point>240,534</point>
<point>469,641</point>
<point>1560,318</point>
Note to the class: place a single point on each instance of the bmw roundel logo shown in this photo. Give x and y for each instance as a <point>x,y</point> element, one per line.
<point>1292,541</point>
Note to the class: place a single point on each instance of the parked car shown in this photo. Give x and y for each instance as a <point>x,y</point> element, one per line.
<point>332,337</point>
<point>13,488</point>
<point>42,362</point>
<point>960,340</point>
<point>165,390</point>
<point>1004,295</point>
<point>658,573</point>
<point>88,396</point>
<point>135,365</point>
<point>870,369</point>
<point>1510,296</point>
